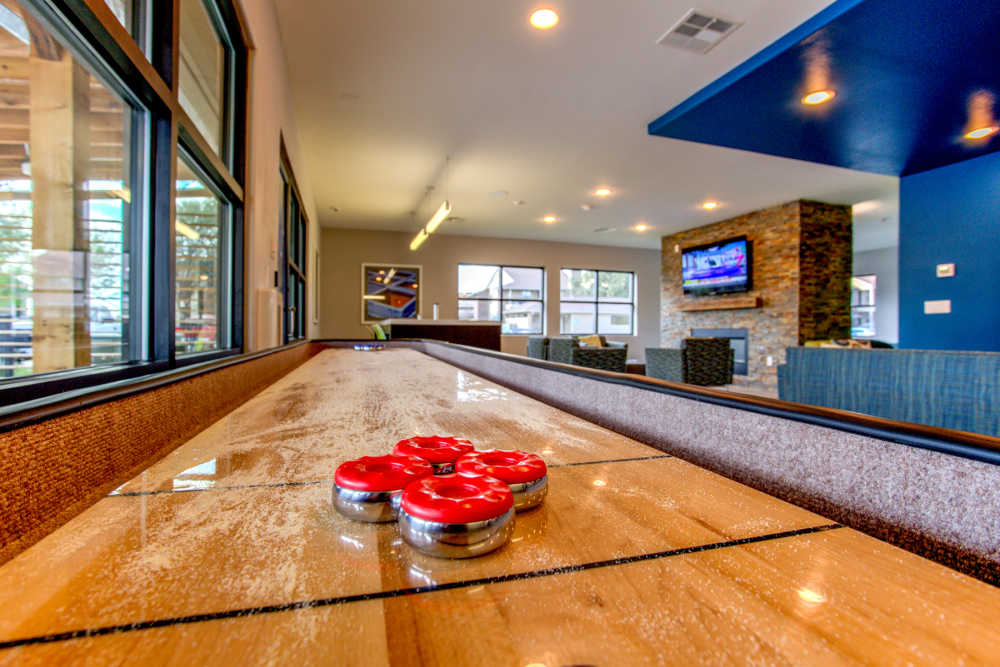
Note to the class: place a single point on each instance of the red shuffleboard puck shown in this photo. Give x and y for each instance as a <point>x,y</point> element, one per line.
<point>440,451</point>
<point>525,473</point>
<point>456,516</point>
<point>367,489</point>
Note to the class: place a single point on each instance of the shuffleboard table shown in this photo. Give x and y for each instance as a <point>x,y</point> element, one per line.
<point>228,551</point>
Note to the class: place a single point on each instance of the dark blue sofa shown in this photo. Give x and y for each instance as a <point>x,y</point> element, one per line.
<point>959,390</point>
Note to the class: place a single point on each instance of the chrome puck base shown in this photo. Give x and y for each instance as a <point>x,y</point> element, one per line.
<point>456,540</point>
<point>368,506</point>
<point>530,494</point>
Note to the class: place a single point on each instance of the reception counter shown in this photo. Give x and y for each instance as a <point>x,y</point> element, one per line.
<point>485,335</point>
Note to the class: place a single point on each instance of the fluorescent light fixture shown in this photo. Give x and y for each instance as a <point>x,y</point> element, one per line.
<point>419,239</point>
<point>438,218</point>
<point>430,227</point>
<point>186,230</point>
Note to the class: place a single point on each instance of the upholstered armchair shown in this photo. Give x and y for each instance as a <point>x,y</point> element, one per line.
<point>569,351</point>
<point>702,361</point>
<point>538,347</point>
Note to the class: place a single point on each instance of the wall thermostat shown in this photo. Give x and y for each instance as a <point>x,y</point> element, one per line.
<point>945,270</point>
<point>937,307</point>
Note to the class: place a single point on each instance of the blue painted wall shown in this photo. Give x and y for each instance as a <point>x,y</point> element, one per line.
<point>951,214</point>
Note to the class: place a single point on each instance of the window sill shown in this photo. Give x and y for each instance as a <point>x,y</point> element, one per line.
<point>51,396</point>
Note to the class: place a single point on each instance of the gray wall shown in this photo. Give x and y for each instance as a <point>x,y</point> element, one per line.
<point>345,250</point>
<point>883,263</point>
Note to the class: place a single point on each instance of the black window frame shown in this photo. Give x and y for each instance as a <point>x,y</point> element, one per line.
<point>596,302</point>
<point>293,244</point>
<point>501,299</point>
<point>143,71</point>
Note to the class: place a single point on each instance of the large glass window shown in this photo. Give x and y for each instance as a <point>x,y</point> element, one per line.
<point>601,302</point>
<point>68,148</point>
<point>294,232</point>
<point>512,295</point>
<point>202,264</point>
<point>204,73</point>
<point>121,234</point>
<point>863,306</point>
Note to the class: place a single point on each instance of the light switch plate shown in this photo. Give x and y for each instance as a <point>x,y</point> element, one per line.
<point>945,270</point>
<point>937,307</point>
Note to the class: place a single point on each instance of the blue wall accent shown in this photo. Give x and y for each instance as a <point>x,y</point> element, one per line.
<point>904,72</point>
<point>951,214</point>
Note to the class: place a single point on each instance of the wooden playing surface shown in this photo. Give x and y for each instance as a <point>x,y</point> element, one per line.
<point>228,551</point>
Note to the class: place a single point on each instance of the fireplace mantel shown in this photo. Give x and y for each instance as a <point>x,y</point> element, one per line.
<point>735,303</point>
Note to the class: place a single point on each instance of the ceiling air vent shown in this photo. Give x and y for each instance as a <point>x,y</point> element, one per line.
<point>698,32</point>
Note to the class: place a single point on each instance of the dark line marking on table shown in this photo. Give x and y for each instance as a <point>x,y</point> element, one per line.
<point>401,592</point>
<point>594,463</point>
<point>278,485</point>
<point>274,485</point>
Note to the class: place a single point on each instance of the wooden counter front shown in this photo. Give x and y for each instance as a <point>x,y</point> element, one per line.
<point>484,335</point>
<point>228,551</point>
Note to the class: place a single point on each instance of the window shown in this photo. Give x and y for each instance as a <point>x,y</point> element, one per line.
<point>204,73</point>
<point>512,295</point>
<point>601,302</point>
<point>863,306</point>
<point>121,217</point>
<point>203,253</point>
<point>294,233</point>
<point>67,209</point>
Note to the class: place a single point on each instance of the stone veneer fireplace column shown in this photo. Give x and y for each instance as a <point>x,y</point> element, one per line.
<point>802,257</point>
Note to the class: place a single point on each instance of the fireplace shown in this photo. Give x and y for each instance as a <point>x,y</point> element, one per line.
<point>738,340</point>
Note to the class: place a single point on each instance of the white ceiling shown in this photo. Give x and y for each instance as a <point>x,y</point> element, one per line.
<point>393,96</point>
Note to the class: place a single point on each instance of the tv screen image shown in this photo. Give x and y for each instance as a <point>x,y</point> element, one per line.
<point>717,269</point>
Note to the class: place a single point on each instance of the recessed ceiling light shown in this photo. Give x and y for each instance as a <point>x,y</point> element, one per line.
<point>543,19</point>
<point>586,207</point>
<point>549,219</point>
<point>709,205</point>
<point>982,132</point>
<point>602,192</point>
<point>600,482</point>
<point>641,227</point>
<point>819,97</point>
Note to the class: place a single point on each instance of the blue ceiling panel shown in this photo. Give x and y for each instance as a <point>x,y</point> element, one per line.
<point>911,77</point>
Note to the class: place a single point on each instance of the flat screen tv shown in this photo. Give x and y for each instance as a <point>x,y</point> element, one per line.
<point>718,268</point>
